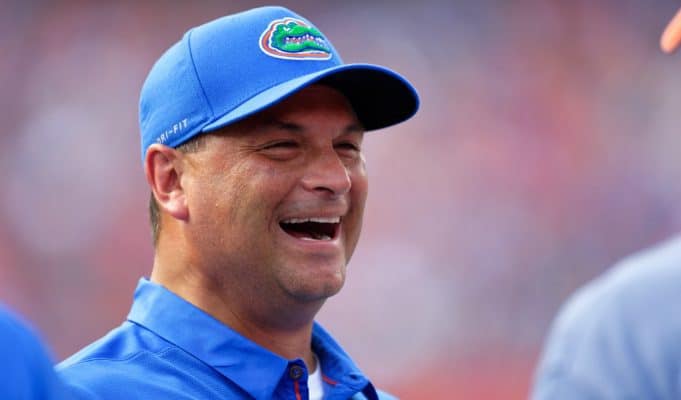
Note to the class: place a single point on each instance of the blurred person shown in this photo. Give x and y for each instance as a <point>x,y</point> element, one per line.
<point>619,337</point>
<point>26,371</point>
<point>251,131</point>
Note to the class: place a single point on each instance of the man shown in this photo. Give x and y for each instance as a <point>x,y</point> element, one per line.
<point>26,370</point>
<point>619,337</point>
<point>251,132</point>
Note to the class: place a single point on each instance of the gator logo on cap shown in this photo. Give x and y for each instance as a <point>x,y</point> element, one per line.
<point>293,39</point>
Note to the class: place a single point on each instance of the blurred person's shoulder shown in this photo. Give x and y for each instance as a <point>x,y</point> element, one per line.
<point>649,278</point>
<point>618,334</point>
<point>26,367</point>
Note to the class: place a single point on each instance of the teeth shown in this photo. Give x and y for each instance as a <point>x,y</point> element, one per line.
<point>316,237</point>
<point>332,220</point>
<point>322,220</point>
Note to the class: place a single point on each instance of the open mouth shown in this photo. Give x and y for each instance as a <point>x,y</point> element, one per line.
<point>315,228</point>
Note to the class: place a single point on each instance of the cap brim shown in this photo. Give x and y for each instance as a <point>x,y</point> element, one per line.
<point>380,97</point>
<point>671,37</point>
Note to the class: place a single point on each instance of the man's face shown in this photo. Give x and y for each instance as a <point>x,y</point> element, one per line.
<point>276,201</point>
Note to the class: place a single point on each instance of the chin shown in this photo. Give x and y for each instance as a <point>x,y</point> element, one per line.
<point>318,289</point>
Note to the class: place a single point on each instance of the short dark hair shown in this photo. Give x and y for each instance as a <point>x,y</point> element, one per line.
<point>191,146</point>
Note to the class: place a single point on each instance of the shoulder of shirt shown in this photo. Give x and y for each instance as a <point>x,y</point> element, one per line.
<point>123,343</point>
<point>26,361</point>
<point>18,338</point>
<point>133,360</point>
<point>643,280</point>
<point>118,357</point>
<point>609,323</point>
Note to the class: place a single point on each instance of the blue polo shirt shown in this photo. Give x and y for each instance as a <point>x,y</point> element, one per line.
<point>170,349</point>
<point>26,371</point>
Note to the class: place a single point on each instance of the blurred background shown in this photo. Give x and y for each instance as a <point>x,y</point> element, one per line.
<point>546,149</point>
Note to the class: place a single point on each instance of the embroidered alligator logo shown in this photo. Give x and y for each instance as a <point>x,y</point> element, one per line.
<point>293,39</point>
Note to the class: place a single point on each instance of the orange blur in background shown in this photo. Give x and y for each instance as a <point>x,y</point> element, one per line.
<point>546,148</point>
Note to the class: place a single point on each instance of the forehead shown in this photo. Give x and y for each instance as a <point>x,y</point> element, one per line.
<point>318,99</point>
<point>317,111</point>
<point>317,105</point>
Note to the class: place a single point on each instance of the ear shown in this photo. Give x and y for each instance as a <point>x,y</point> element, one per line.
<point>163,169</point>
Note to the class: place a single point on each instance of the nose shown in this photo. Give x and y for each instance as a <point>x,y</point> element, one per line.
<point>327,174</point>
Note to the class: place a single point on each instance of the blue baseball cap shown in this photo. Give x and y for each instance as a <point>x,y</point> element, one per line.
<point>237,65</point>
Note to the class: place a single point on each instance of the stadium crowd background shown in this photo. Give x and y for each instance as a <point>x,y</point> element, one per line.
<point>547,147</point>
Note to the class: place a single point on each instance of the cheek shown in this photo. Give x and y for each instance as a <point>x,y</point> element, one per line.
<point>358,196</point>
<point>360,185</point>
<point>252,197</point>
<point>217,197</point>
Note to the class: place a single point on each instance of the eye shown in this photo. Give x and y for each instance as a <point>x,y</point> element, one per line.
<point>350,148</point>
<point>286,144</point>
<point>281,149</point>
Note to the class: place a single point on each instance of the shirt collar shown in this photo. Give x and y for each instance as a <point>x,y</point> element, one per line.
<point>234,356</point>
<point>338,369</point>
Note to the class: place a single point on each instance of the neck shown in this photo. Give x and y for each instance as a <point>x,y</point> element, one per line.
<point>284,328</point>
